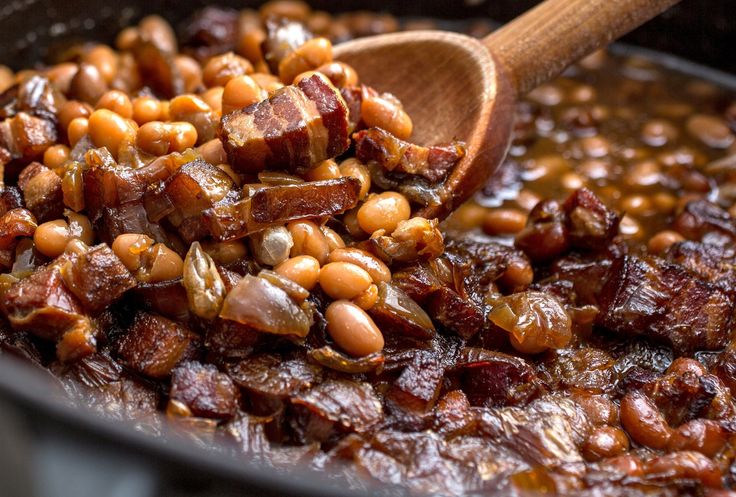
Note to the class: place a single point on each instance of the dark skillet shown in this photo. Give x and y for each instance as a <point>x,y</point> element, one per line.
<point>50,449</point>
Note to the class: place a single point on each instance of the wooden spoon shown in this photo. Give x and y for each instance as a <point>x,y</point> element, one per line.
<point>458,88</point>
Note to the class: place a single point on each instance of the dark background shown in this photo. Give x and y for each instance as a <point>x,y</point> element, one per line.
<point>700,30</point>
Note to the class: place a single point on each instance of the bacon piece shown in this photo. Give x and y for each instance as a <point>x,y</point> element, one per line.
<point>97,277</point>
<point>283,36</point>
<point>396,155</point>
<point>154,345</point>
<point>590,224</point>
<point>42,191</point>
<point>650,297</point>
<point>281,204</point>
<point>14,224</point>
<point>26,137</point>
<point>204,390</point>
<point>298,127</point>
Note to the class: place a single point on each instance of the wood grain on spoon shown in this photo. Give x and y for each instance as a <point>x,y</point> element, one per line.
<point>458,88</point>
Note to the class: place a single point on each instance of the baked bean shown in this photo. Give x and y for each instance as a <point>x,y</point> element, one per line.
<point>272,245</point>
<point>644,173</point>
<point>572,181</point>
<point>683,365</point>
<point>165,264</point>
<point>118,102</point>
<point>308,240</point>
<point>595,146</point>
<point>302,270</point>
<point>146,109</point>
<point>637,205</point>
<point>311,55</point>
<point>630,227</point>
<point>127,38</point>
<point>104,59</point>
<point>222,68</point>
<point>504,221</point>
<point>599,409</point>
<point>658,132</point>
<point>71,110</point>
<point>56,156</point>
<point>194,110</point>
<point>375,267</point>
<point>61,75</point>
<point>582,94</point>
<point>343,280</point>
<point>77,129</point>
<point>546,166</point>
<point>595,169</point>
<point>604,442</point>
<point>660,242</point>
<point>87,85</point>
<point>327,169</point>
<point>546,94</point>
<point>110,130</point>
<point>711,130</point>
<point>627,464</point>
<point>685,465</point>
<point>354,168</point>
<point>384,112</point>
<point>368,298</point>
<point>213,98</point>
<point>468,216</point>
<point>225,253</point>
<point>51,237</point>
<point>664,202</point>
<point>268,82</point>
<point>642,420</point>
<point>334,241</point>
<point>213,152</point>
<point>350,220</point>
<point>703,435</point>
<point>518,275</point>
<point>249,44</point>
<point>159,32</point>
<point>383,211</point>
<point>352,329</point>
<point>190,71</point>
<point>160,138</point>
<point>340,74</point>
<point>240,92</point>
<point>129,248</point>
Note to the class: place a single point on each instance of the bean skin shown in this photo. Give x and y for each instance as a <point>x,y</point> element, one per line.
<point>643,422</point>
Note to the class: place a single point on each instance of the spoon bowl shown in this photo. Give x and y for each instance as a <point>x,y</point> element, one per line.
<point>451,86</point>
<point>459,88</point>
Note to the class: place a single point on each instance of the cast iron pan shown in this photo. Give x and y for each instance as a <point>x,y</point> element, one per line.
<point>51,449</point>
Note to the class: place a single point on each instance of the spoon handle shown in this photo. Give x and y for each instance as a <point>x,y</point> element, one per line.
<point>541,43</point>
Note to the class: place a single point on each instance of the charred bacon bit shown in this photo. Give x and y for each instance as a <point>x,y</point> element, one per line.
<point>210,31</point>
<point>283,36</point>
<point>704,221</point>
<point>204,390</point>
<point>154,345</point>
<point>650,297</point>
<point>261,305</point>
<point>713,263</point>
<point>158,69</point>
<point>418,386</point>
<point>42,191</point>
<point>546,235</point>
<point>296,128</point>
<point>269,380</point>
<point>26,137</point>
<point>42,304</point>
<point>10,198</point>
<point>128,218</point>
<point>336,405</point>
<point>97,277</point>
<point>232,340</point>
<point>281,204</point>
<point>399,156</point>
<point>34,95</point>
<point>168,298</point>
<point>590,224</point>
<point>195,187</point>
<point>14,224</point>
<point>493,379</point>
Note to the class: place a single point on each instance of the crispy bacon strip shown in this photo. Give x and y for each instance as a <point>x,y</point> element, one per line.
<point>392,154</point>
<point>298,127</point>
